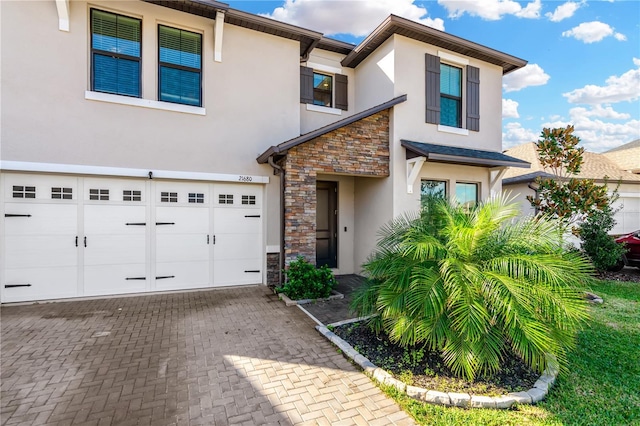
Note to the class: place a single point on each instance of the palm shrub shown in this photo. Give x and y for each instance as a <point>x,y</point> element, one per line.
<point>476,285</point>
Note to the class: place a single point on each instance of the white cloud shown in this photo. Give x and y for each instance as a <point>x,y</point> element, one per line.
<point>564,11</point>
<point>514,134</point>
<point>356,17</point>
<point>597,135</point>
<point>617,89</point>
<point>510,109</point>
<point>591,32</point>
<point>620,37</point>
<point>530,75</point>
<point>491,10</point>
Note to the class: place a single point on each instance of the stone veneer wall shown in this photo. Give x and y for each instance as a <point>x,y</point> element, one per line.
<point>357,149</point>
<point>273,269</point>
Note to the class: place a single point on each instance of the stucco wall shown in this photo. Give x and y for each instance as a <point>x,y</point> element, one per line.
<point>410,115</point>
<point>46,118</point>
<point>375,77</point>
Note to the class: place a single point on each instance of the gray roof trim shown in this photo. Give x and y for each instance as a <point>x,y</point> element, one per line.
<point>206,8</point>
<point>456,155</point>
<point>529,177</point>
<point>284,147</point>
<point>397,25</point>
<point>337,46</point>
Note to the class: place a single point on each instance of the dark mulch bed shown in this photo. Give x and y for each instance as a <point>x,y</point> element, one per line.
<point>426,369</point>
<point>626,274</point>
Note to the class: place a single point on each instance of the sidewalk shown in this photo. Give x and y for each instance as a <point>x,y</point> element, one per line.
<point>333,311</point>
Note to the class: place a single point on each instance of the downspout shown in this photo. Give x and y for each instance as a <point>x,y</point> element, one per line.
<point>537,196</point>
<point>279,170</point>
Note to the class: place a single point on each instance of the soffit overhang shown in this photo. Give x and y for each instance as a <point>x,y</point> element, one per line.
<point>463,156</point>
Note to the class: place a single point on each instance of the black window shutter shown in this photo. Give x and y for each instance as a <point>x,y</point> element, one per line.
<point>342,93</point>
<point>473,98</point>
<point>433,89</point>
<point>306,85</point>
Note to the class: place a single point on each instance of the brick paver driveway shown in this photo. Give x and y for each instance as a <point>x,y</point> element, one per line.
<point>232,356</point>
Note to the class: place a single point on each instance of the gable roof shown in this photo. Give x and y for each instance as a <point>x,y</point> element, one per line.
<point>595,166</point>
<point>405,27</point>
<point>456,155</point>
<point>284,147</point>
<point>354,54</point>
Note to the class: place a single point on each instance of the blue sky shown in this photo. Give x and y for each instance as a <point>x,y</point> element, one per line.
<point>584,56</point>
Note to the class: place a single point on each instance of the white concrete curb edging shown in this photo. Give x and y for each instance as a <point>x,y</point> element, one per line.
<point>536,394</point>
<point>288,302</point>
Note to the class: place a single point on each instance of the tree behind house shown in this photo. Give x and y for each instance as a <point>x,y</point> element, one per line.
<point>564,196</point>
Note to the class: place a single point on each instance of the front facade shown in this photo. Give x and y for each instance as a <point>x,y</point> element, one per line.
<point>130,134</point>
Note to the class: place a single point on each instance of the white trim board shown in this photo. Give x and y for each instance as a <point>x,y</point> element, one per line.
<point>21,166</point>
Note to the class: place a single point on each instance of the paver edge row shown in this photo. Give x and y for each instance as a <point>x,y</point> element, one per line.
<point>534,395</point>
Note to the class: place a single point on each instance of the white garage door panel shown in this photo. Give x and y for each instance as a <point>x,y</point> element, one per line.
<point>182,275</point>
<point>102,280</point>
<point>237,246</point>
<point>182,248</point>
<point>40,251</point>
<point>45,219</point>
<point>115,250</point>
<point>236,272</point>
<point>102,219</point>
<point>235,220</point>
<point>46,283</point>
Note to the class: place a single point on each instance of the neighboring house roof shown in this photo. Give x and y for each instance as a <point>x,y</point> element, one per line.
<point>456,155</point>
<point>626,156</point>
<point>405,27</point>
<point>354,54</point>
<point>282,148</point>
<point>595,166</point>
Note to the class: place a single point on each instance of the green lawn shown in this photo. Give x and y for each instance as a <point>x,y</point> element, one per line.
<point>602,386</point>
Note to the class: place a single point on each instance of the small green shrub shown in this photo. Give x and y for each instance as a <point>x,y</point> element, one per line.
<point>305,281</point>
<point>601,248</point>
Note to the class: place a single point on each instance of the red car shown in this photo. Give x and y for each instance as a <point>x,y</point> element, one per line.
<point>632,243</point>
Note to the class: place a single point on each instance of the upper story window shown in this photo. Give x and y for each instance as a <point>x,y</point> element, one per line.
<point>180,66</point>
<point>453,93</point>
<point>450,96</point>
<point>322,90</point>
<point>115,53</point>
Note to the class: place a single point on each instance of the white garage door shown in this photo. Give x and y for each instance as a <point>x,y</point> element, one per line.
<point>114,240</point>
<point>40,249</point>
<point>69,237</point>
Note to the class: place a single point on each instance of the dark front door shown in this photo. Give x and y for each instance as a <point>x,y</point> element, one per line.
<point>327,224</point>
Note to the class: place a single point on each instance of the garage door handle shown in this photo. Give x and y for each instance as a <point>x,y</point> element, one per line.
<point>85,241</point>
<point>135,223</point>
<point>165,223</point>
<point>207,238</point>
<point>253,270</point>
<point>165,277</point>
<point>16,215</point>
<point>76,241</point>
<point>16,285</point>
<point>251,215</point>
<point>135,278</point>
